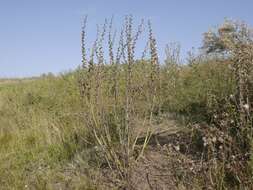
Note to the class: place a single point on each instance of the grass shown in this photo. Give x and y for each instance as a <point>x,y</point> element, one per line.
<point>38,128</point>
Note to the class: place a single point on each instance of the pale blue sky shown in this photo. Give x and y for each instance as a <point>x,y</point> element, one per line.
<point>38,36</point>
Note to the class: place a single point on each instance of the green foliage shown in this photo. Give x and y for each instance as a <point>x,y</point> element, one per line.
<point>188,89</point>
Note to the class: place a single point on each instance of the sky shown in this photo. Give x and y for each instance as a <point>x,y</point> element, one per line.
<point>41,36</point>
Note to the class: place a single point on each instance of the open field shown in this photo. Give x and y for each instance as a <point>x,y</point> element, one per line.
<point>134,123</point>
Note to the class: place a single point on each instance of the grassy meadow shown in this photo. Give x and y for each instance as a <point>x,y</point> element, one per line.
<point>133,123</point>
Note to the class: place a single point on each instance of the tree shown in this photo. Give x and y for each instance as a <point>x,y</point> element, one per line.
<point>229,37</point>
